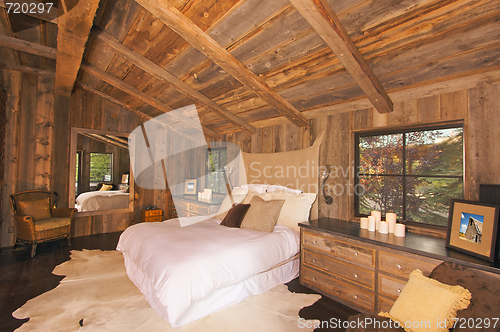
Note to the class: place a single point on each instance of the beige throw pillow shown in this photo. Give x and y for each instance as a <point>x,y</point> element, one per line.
<point>296,209</point>
<point>262,215</point>
<point>427,305</point>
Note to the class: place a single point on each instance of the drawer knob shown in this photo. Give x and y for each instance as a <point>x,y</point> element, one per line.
<point>314,261</point>
<point>398,290</point>
<point>314,278</point>
<point>314,242</point>
<point>355,276</point>
<point>356,254</point>
<point>355,296</point>
<point>399,266</point>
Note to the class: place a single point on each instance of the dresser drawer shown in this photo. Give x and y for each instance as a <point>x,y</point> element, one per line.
<point>403,264</point>
<point>356,296</point>
<point>181,205</point>
<point>340,249</point>
<point>390,287</point>
<point>343,270</point>
<point>198,209</point>
<point>182,213</point>
<point>384,303</point>
<point>153,219</point>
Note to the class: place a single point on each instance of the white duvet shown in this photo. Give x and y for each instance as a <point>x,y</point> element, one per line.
<point>102,200</point>
<point>175,267</point>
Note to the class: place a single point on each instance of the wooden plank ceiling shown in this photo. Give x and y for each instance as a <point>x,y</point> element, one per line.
<point>254,63</point>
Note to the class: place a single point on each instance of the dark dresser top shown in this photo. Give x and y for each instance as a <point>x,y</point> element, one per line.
<point>419,244</point>
<point>194,198</point>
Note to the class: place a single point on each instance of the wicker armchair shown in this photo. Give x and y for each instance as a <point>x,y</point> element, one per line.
<point>38,219</point>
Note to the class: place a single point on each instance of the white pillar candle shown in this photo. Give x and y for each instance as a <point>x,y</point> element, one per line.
<point>364,223</point>
<point>391,220</point>
<point>400,230</point>
<point>371,223</point>
<point>378,218</point>
<point>383,227</point>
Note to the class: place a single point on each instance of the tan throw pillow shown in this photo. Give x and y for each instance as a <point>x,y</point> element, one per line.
<point>296,209</point>
<point>106,187</point>
<point>262,215</point>
<point>38,210</point>
<point>427,305</point>
<point>235,216</point>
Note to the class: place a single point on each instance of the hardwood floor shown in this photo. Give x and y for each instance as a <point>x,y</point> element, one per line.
<point>23,278</point>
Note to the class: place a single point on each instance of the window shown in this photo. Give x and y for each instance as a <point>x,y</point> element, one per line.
<point>215,179</point>
<point>101,167</point>
<point>413,173</point>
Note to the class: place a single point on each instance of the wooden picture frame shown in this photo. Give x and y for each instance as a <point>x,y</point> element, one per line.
<point>190,187</point>
<point>472,228</point>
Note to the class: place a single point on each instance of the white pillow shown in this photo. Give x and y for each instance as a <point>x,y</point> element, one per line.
<point>263,188</point>
<point>296,208</point>
<point>226,205</point>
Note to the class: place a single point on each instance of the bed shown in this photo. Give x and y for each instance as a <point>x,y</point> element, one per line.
<point>102,200</point>
<point>190,268</point>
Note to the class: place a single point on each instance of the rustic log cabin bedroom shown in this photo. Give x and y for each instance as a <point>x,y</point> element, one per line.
<point>249,165</point>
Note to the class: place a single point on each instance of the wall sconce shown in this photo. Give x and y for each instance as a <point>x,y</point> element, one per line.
<point>324,175</point>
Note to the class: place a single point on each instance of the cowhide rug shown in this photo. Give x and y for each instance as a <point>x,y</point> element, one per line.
<point>96,295</point>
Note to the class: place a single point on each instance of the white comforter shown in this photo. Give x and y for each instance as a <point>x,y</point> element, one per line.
<point>102,200</point>
<point>179,265</point>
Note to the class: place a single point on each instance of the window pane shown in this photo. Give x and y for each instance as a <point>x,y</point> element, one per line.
<point>217,159</point>
<point>101,167</point>
<point>382,193</point>
<point>428,199</point>
<point>435,152</point>
<point>382,154</point>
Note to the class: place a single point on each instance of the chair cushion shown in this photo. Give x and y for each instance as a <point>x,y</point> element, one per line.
<point>485,301</point>
<point>52,223</point>
<point>37,209</point>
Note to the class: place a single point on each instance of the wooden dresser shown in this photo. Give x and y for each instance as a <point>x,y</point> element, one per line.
<point>151,215</point>
<point>366,270</point>
<point>188,206</point>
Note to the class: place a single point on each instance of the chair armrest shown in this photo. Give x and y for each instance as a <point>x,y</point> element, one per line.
<point>63,212</point>
<point>25,227</point>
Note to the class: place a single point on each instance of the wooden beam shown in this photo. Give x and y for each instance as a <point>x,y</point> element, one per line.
<point>73,28</point>
<point>176,21</point>
<point>28,47</point>
<point>26,69</point>
<point>49,14</point>
<point>93,70</point>
<point>161,74</point>
<point>321,17</point>
<point>106,140</point>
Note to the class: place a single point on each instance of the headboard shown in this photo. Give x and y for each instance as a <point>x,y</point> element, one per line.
<point>295,169</point>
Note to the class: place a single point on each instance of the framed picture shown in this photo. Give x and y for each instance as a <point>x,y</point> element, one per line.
<point>472,228</point>
<point>190,187</point>
<point>125,178</point>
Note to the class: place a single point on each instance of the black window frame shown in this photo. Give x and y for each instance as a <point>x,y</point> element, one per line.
<point>404,131</point>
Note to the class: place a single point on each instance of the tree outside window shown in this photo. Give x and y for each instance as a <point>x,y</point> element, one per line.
<point>413,173</point>
<point>101,167</point>
<point>215,179</point>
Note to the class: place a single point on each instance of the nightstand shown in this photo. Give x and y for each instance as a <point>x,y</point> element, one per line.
<point>151,215</point>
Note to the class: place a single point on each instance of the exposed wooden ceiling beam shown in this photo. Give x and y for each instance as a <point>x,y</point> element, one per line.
<point>93,70</point>
<point>105,140</point>
<point>28,47</point>
<point>321,17</point>
<point>49,14</point>
<point>26,69</point>
<point>176,21</point>
<point>73,28</point>
<point>161,74</point>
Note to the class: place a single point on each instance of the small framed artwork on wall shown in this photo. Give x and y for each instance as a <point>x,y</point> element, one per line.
<point>472,228</point>
<point>190,187</point>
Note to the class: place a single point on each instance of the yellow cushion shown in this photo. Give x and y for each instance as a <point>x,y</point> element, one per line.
<point>106,187</point>
<point>38,210</point>
<point>427,305</point>
<point>262,215</point>
<point>52,223</point>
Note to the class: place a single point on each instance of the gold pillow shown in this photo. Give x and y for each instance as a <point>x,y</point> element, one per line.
<point>427,305</point>
<point>106,187</point>
<point>262,215</point>
<point>38,210</point>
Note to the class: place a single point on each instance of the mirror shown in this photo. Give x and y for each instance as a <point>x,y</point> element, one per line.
<point>100,176</point>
